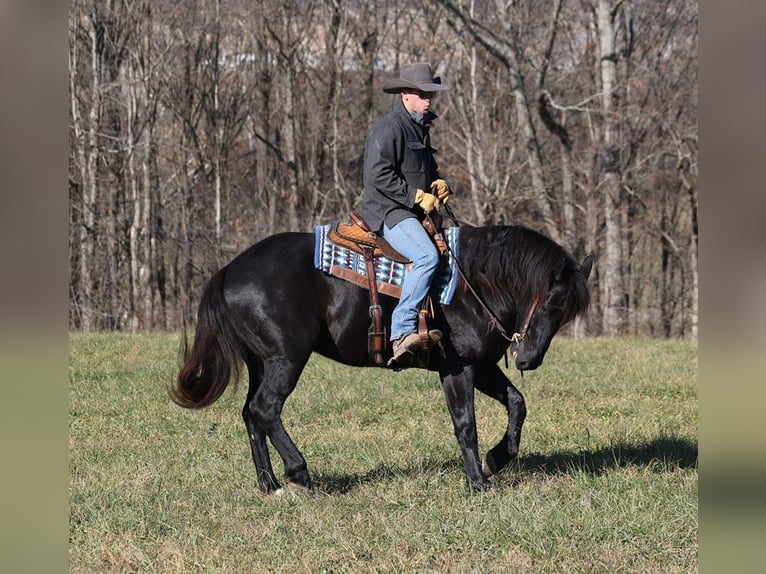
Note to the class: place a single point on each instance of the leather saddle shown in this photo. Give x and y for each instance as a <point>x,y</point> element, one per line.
<point>356,235</point>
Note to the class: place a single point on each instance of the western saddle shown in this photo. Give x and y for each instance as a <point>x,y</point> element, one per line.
<point>356,235</point>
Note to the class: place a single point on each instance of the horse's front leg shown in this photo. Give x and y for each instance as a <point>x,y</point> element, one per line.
<point>458,385</point>
<point>491,381</point>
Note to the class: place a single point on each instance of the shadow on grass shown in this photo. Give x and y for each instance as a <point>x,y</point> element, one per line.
<point>664,454</point>
<point>345,483</point>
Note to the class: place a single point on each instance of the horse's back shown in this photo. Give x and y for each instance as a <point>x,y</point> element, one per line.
<point>285,304</point>
<point>274,258</point>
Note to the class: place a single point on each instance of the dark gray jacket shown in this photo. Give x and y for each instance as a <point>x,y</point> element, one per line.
<point>398,160</point>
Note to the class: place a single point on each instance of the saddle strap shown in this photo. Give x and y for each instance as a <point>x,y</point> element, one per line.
<point>426,311</point>
<point>376,335</point>
<point>432,223</point>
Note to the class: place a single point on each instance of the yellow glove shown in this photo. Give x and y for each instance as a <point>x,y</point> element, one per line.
<point>440,188</point>
<point>427,201</point>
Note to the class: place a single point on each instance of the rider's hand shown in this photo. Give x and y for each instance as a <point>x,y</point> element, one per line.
<point>427,201</point>
<point>441,189</point>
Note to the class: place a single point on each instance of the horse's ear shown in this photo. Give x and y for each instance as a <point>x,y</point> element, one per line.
<point>587,265</point>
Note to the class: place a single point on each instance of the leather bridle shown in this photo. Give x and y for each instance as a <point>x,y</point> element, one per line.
<point>515,339</point>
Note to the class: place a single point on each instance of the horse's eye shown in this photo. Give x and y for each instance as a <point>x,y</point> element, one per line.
<point>555,301</point>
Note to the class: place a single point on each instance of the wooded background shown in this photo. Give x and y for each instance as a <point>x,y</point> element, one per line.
<point>198,127</point>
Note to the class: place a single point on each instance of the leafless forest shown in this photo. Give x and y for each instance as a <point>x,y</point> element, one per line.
<point>198,127</point>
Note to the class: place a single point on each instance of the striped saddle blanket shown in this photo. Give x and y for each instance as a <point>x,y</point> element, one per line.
<point>346,264</point>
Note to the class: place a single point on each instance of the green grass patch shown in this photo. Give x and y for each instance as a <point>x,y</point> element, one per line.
<point>606,480</point>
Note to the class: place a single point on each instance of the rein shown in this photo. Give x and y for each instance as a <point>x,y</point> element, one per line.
<point>519,337</point>
<point>494,322</point>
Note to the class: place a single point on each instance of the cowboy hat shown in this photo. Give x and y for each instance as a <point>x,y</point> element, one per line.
<point>416,76</point>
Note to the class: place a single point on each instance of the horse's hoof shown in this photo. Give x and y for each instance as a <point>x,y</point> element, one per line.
<point>477,487</point>
<point>485,470</point>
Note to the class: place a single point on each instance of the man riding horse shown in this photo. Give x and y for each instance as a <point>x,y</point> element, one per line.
<point>402,185</point>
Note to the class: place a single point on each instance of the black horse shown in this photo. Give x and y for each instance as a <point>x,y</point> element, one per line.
<point>269,308</point>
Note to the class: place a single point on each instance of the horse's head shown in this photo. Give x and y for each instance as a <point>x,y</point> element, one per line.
<point>566,297</point>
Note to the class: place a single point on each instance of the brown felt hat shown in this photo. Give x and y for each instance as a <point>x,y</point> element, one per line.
<point>416,76</point>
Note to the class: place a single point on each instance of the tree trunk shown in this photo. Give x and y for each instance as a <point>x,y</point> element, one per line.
<point>688,181</point>
<point>217,126</point>
<point>369,47</point>
<point>135,230</point>
<point>473,151</point>
<point>84,202</point>
<point>591,324</point>
<point>558,129</point>
<point>90,184</point>
<point>147,222</point>
<point>614,293</point>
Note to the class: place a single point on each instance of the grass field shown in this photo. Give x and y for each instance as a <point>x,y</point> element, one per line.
<point>606,480</point>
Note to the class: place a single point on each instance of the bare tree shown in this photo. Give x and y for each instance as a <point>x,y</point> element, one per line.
<point>200,126</point>
<point>85,72</point>
<point>614,304</point>
<point>98,29</point>
<point>501,45</point>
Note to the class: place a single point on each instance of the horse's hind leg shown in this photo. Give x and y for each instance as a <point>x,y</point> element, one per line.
<point>262,414</point>
<point>267,481</point>
<point>491,381</point>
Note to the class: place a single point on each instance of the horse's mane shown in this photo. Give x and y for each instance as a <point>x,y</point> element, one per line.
<point>516,265</point>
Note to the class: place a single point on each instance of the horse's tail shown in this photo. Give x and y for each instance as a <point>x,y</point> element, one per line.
<point>215,357</point>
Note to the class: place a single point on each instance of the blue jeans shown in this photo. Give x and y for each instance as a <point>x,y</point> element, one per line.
<point>410,239</point>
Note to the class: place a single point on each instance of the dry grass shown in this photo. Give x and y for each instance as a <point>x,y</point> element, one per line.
<point>606,482</point>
